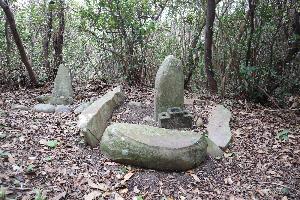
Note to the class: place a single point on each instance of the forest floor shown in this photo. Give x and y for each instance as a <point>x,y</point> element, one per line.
<point>262,162</point>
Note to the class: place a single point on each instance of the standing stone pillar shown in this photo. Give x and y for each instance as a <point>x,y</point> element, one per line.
<point>169,86</point>
<point>63,92</point>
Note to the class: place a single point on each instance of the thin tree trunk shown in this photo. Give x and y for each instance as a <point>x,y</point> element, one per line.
<point>18,41</point>
<point>58,38</point>
<point>192,60</point>
<point>210,17</point>
<point>47,38</point>
<point>249,43</point>
<point>8,44</point>
<point>294,45</point>
<point>193,56</point>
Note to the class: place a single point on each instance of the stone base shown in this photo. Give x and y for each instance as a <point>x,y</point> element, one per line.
<point>175,118</point>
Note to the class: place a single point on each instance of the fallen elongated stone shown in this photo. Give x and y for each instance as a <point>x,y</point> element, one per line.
<point>62,109</point>
<point>46,108</point>
<point>62,92</point>
<point>169,86</point>
<point>152,147</point>
<point>93,120</point>
<point>218,126</point>
<point>19,107</point>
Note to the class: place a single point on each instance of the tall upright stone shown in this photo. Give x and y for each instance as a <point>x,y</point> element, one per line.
<point>169,86</point>
<point>63,92</point>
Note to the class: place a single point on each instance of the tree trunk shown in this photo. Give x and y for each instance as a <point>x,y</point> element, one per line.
<point>210,17</point>
<point>193,59</point>
<point>18,41</point>
<point>47,38</point>
<point>294,44</point>
<point>8,44</point>
<point>58,38</point>
<point>249,43</point>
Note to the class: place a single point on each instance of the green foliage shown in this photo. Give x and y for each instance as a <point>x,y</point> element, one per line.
<point>30,169</point>
<point>52,143</point>
<point>138,198</point>
<point>283,135</point>
<point>48,158</point>
<point>39,195</point>
<point>2,194</point>
<point>2,135</point>
<point>4,154</point>
<point>127,40</point>
<point>123,27</point>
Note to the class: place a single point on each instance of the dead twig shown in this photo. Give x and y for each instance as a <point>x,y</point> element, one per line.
<point>271,98</point>
<point>278,184</point>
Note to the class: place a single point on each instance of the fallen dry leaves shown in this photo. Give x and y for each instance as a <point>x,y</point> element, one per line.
<point>257,165</point>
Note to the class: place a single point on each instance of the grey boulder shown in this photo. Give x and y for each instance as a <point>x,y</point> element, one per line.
<point>152,147</point>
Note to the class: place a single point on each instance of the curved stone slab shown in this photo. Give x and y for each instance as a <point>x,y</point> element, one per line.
<point>152,147</point>
<point>93,120</point>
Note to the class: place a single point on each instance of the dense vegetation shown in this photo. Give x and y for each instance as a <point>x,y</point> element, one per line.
<point>246,48</point>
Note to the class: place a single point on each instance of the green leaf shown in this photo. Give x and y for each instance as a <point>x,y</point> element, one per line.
<point>2,135</point>
<point>30,169</point>
<point>48,158</point>
<point>285,191</point>
<point>138,198</point>
<point>39,195</point>
<point>4,154</point>
<point>283,135</point>
<point>2,193</point>
<point>52,143</point>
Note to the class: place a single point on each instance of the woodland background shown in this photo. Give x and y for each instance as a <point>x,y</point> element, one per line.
<point>244,48</point>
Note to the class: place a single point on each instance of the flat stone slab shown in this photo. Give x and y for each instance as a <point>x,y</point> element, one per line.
<point>93,120</point>
<point>152,147</point>
<point>218,126</point>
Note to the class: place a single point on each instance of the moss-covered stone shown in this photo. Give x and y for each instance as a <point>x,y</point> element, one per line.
<point>152,147</point>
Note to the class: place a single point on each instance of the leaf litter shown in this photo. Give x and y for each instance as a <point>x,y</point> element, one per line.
<point>262,162</point>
